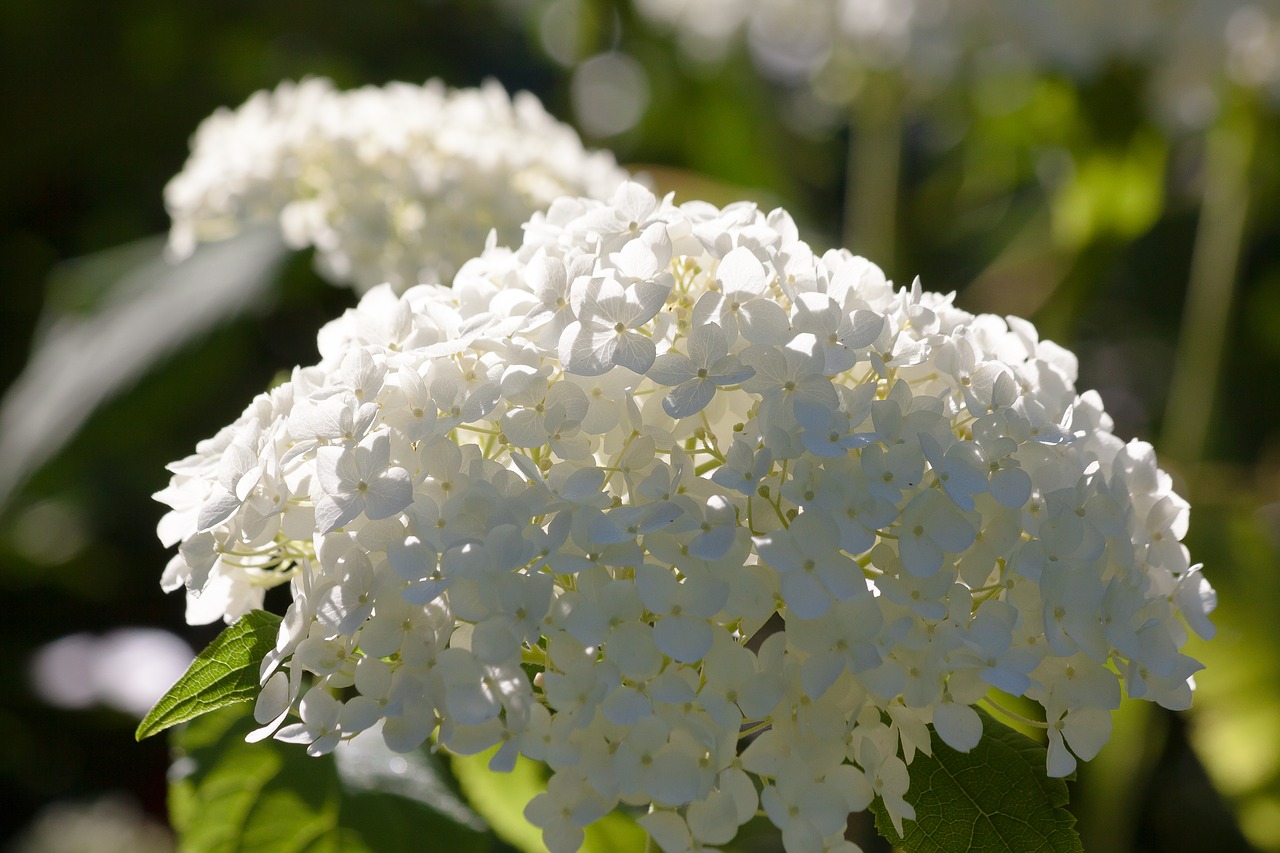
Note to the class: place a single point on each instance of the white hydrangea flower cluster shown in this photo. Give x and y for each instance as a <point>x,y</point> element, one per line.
<point>924,43</point>
<point>705,521</point>
<point>795,39</point>
<point>1192,47</point>
<point>1216,43</point>
<point>398,184</point>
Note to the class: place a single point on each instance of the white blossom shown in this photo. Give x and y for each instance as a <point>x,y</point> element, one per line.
<point>398,184</point>
<point>1194,49</point>
<point>565,466</point>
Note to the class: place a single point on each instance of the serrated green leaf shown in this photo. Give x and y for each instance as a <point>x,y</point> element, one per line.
<point>500,799</point>
<point>225,673</point>
<point>996,797</point>
<point>229,796</point>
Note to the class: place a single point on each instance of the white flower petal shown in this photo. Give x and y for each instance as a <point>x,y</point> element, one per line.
<point>958,725</point>
<point>634,352</point>
<point>389,494</point>
<point>688,398</point>
<point>683,638</point>
<point>672,368</point>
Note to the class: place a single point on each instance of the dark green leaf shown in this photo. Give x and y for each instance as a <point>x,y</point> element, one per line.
<point>225,673</point>
<point>229,796</point>
<point>996,797</point>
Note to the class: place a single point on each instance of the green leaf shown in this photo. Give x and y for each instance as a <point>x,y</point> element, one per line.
<point>1112,193</point>
<point>84,357</point>
<point>225,673</point>
<point>500,799</point>
<point>996,797</point>
<point>229,796</point>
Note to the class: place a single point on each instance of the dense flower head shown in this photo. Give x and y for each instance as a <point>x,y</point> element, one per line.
<point>400,183</point>
<point>707,522</point>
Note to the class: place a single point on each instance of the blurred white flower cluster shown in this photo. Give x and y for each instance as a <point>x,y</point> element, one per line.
<point>1215,43</point>
<point>922,41</point>
<point>112,823</point>
<point>797,39</point>
<point>552,509</point>
<point>1192,47</point>
<point>397,184</point>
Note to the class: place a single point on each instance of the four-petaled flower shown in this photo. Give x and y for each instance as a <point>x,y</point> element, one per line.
<point>359,479</point>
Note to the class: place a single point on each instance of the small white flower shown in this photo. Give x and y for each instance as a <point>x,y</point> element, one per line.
<point>1086,731</point>
<point>813,570</point>
<point>605,333</point>
<point>696,376</point>
<point>359,480</point>
<point>740,305</point>
<point>839,333</point>
<point>931,528</point>
<point>745,468</point>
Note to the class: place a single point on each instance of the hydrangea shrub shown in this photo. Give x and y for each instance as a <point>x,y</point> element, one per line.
<point>707,522</point>
<point>393,184</point>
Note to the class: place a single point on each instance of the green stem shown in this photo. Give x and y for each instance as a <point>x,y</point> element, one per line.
<point>1013,715</point>
<point>1215,258</point>
<point>873,172</point>
<point>1108,822</point>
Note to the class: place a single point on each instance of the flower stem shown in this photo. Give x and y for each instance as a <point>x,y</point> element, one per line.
<point>1013,715</point>
<point>872,173</point>
<point>1215,259</point>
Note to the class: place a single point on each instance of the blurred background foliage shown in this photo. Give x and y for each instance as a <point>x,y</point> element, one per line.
<point>1153,253</point>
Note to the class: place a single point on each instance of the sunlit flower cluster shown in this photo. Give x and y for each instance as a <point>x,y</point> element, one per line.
<point>707,522</point>
<point>1191,47</point>
<point>923,43</point>
<point>917,38</point>
<point>398,184</point>
<point>1217,42</point>
<point>796,39</point>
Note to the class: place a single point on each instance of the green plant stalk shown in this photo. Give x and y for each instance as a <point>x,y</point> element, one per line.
<point>1104,803</point>
<point>873,173</point>
<point>1215,259</point>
